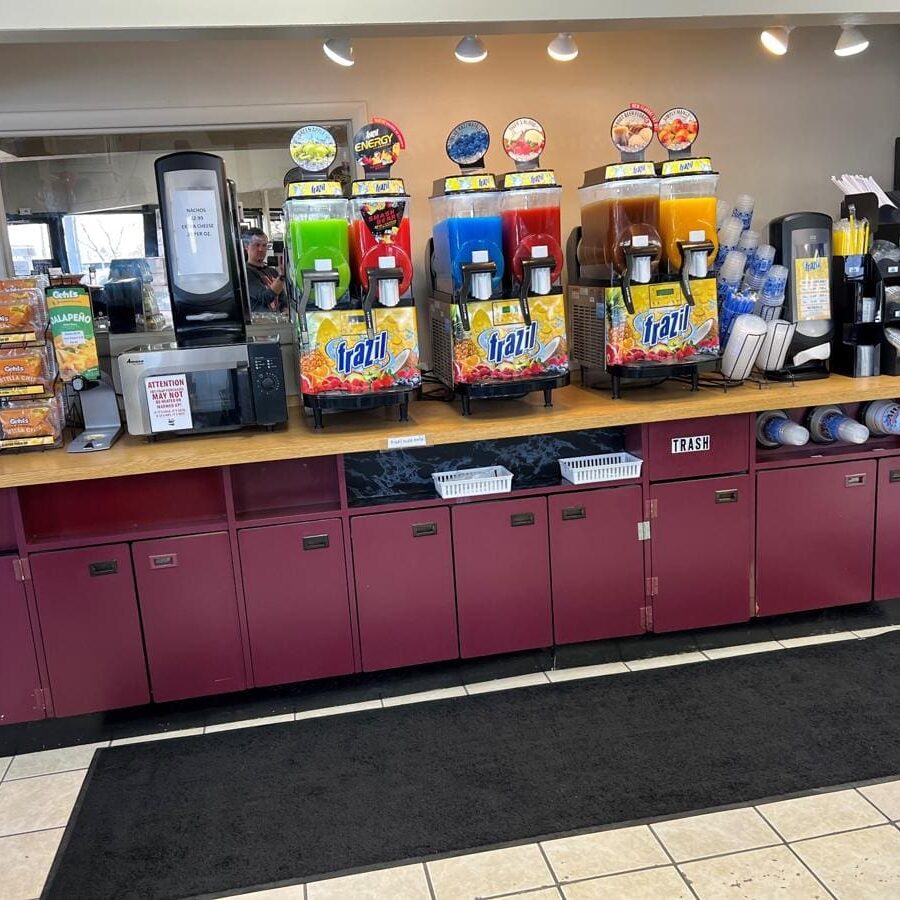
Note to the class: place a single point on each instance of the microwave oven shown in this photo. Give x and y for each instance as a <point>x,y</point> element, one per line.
<point>172,390</point>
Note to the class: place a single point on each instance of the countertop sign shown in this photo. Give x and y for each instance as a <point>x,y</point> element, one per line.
<point>699,443</point>
<point>168,403</point>
<point>197,240</point>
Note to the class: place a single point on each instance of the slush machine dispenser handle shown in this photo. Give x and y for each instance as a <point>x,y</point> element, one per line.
<point>693,264</point>
<point>471,272</point>
<point>311,279</point>
<point>376,277</point>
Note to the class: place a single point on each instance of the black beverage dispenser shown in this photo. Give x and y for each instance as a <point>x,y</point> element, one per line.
<point>204,259</point>
<point>802,242</point>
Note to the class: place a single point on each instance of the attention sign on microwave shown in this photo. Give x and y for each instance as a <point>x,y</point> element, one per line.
<point>699,443</point>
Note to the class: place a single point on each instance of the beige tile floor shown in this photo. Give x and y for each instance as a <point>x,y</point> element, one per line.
<point>842,844</point>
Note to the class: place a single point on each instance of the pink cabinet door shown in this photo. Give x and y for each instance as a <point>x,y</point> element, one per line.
<point>701,549</point>
<point>502,564</point>
<point>7,524</point>
<point>403,564</point>
<point>815,535</point>
<point>298,610</point>
<point>190,615</point>
<point>20,682</point>
<point>597,564</point>
<point>687,448</point>
<point>90,628</point>
<point>887,531</point>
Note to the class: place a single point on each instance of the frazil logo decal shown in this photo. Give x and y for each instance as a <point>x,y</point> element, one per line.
<point>657,330</point>
<point>516,342</point>
<point>364,353</point>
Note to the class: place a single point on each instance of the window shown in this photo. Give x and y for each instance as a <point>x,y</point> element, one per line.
<point>94,240</point>
<point>29,241</point>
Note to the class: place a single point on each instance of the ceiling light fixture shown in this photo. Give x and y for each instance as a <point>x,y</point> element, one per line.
<point>775,39</point>
<point>851,41</point>
<point>563,47</point>
<point>470,49</point>
<point>339,50</point>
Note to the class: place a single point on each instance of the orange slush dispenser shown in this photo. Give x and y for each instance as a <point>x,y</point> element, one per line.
<point>687,204</point>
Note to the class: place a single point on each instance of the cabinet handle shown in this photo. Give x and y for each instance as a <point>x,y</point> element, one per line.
<point>107,567</point>
<point>315,542</point>
<point>727,496</point>
<point>164,561</point>
<point>517,519</point>
<point>424,529</point>
<point>894,476</point>
<point>573,512</point>
<point>855,480</point>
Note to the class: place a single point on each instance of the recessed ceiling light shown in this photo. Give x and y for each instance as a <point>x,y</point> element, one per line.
<point>775,39</point>
<point>470,49</point>
<point>851,41</point>
<point>563,47</point>
<point>339,50</point>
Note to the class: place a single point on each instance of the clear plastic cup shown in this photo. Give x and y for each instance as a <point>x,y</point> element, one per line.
<point>743,210</point>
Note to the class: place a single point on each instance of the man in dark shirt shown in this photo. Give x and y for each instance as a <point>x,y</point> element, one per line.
<point>266,284</point>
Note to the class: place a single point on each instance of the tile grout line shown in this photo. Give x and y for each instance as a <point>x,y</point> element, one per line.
<point>428,882</point>
<point>678,871</point>
<point>791,850</point>
<point>45,774</point>
<point>811,871</point>
<point>550,869</point>
<point>38,830</point>
<point>871,803</point>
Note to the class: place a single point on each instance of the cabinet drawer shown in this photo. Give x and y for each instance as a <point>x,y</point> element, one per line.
<point>502,563</point>
<point>407,612</point>
<point>689,448</point>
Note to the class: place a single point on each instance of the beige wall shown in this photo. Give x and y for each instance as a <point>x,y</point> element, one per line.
<point>776,128</point>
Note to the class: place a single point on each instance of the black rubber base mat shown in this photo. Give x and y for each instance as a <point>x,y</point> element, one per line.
<point>248,808</point>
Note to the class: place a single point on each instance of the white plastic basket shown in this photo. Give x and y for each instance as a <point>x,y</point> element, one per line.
<point>604,467</point>
<point>472,482</point>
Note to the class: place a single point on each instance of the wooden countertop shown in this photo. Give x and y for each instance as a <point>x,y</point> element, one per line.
<point>441,423</point>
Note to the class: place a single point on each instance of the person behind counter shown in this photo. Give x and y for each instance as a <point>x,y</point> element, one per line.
<point>266,284</point>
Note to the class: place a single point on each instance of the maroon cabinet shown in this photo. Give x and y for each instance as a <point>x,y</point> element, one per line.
<point>887,530</point>
<point>597,564</point>
<point>688,448</point>
<point>502,566</point>
<point>815,534</point>
<point>190,615</point>
<point>91,629</point>
<point>701,552</point>
<point>20,682</point>
<point>298,609</point>
<point>403,564</point>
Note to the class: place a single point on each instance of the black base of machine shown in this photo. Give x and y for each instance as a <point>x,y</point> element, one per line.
<point>810,371</point>
<point>319,403</point>
<point>510,390</point>
<point>687,371</point>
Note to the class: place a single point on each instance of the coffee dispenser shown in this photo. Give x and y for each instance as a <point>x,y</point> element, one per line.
<point>204,259</point>
<point>802,242</point>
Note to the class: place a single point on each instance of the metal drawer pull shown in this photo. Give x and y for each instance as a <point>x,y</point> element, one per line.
<point>518,519</point>
<point>165,561</point>
<point>894,476</point>
<point>424,529</point>
<point>728,496</point>
<point>855,480</point>
<point>573,512</point>
<point>107,567</point>
<point>315,542</point>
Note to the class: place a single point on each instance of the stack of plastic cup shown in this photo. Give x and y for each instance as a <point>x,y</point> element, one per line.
<point>732,303</point>
<point>747,244</point>
<point>758,268</point>
<point>743,210</point>
<point>723,212</point>
<point>771,297</point>
<point>729,235</point>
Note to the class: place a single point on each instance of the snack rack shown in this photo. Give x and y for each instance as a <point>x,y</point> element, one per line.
<point>32,413</point>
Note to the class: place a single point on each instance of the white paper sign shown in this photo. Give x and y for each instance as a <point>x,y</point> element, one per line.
<point>406,440</point>
<point>168,403</point>
<point>198,242</point>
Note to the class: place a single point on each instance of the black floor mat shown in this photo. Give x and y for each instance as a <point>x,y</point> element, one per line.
<point>288,802</point>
